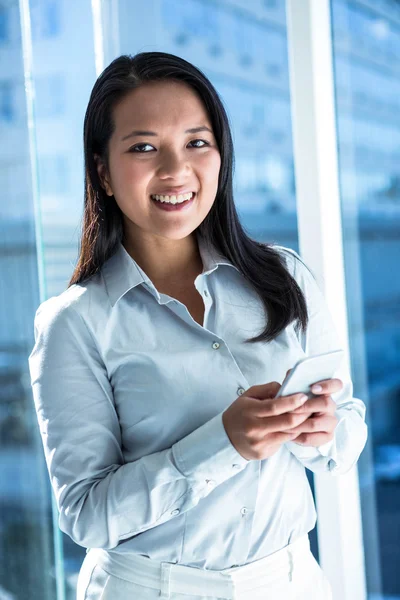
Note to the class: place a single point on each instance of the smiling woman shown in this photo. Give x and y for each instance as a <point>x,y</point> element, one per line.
<point>164,443</point>
<point>173,163</point>
<point>165,102</point>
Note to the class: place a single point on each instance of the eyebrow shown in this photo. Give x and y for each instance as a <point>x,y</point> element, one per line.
<point>138,132</point>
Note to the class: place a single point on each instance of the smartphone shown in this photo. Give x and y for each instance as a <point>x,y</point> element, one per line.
<point>309,370</point>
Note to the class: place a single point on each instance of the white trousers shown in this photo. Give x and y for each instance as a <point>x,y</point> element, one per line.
<point>292,573</point>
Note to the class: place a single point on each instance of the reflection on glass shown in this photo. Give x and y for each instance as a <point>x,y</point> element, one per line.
<point>63,74</point>
<point>366,45</point>
<point>26,545</point>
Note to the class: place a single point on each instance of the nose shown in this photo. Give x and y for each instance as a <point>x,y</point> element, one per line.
<point>173,164</point>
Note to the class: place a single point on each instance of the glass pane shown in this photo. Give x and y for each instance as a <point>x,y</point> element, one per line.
<point>26,540</point>
<point>63,70</point>
<point>63,74</point>
<point>366,52</point>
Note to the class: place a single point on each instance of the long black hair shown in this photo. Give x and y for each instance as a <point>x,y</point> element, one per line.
<point>264,267</point>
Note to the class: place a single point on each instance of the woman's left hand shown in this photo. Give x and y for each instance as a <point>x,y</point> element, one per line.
<point>320,427</point>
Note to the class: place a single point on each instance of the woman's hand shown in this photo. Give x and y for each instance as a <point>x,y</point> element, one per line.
<point>255,421</point>
<point>320,427</point>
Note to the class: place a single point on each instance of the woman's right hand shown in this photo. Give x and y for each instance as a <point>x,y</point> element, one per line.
<point>255,420</point>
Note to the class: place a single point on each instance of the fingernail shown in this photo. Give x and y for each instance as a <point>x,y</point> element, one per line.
<point>316,388</point>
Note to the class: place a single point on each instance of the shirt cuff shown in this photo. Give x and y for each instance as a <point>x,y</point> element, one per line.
<point>207,454</point>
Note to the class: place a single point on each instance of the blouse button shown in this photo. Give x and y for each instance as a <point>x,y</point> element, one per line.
<point>240,391</point>
<point>210,482</point>
<point>206,293</point>
<point>175,512</point>
<point>237,467</point>
<point>215,345</point>
<point>243,510</point>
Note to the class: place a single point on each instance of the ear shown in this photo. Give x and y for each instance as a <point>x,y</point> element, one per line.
<point>103,175</point>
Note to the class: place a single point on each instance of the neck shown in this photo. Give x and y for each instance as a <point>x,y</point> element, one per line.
<point>167,262</point>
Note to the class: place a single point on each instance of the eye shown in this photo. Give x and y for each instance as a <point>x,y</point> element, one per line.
<point>138,146</point>
<point>204,142</point>
<point>135,148</point>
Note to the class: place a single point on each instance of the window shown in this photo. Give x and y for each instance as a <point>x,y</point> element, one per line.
<point>367,99</point>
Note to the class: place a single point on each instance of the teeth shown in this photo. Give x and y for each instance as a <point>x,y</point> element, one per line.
<point>173,199</point>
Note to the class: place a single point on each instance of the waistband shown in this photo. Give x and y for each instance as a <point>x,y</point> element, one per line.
<point>273,570</point>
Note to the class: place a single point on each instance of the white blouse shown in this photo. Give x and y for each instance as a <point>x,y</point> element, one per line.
<point>129,392</point>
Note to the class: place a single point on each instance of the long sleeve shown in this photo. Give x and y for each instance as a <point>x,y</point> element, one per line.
<point>100,499</point>
<point>340,454</point>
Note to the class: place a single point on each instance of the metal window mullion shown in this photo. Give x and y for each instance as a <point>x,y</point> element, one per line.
<point>106,35</point>
<point>340,538</point>
<point>98,35</point>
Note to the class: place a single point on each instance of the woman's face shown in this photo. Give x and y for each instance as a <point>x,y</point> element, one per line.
<point>141,165</point>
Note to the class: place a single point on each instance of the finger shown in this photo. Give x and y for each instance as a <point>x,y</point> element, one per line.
<point>313,439</point>
<point>326,423</point>
<point>270,407</point>
<point>279,437</point>
<point>260,391</point>
<point>322,424</point>
<point>328,386</point>
<point>323,404</point>
<point>282,423</point>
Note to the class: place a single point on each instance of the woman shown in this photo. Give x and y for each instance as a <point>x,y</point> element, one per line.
<point>169,459</point>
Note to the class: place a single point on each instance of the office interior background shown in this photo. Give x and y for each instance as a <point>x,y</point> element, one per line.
<point>51,52</point>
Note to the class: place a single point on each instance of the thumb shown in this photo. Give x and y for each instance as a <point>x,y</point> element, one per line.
<point>265,390</point>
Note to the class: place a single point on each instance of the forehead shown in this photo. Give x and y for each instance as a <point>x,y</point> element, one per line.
<point>161,105</point>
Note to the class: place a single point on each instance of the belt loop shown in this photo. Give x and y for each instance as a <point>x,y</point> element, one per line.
<point>165,580</point>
